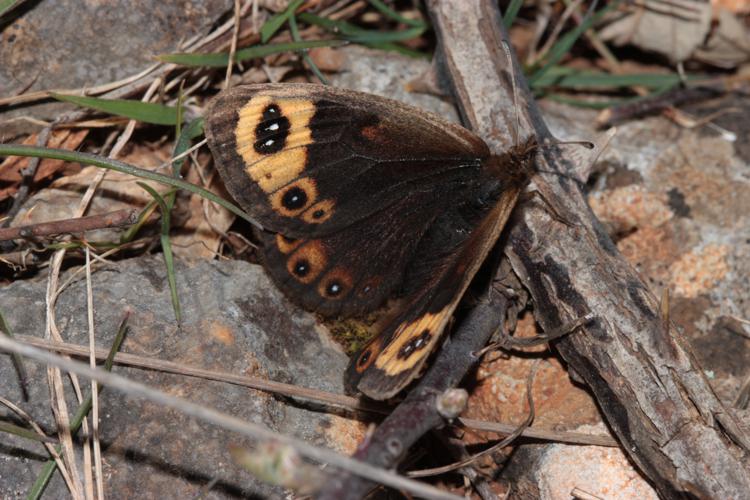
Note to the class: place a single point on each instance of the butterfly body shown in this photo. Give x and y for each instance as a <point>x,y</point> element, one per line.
<point>363,198</point>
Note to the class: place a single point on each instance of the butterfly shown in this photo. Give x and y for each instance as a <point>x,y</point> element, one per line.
<point>362,199</point>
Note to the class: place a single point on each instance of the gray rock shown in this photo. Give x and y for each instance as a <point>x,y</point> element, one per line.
<point>234,320</point>
<point>57,44</point>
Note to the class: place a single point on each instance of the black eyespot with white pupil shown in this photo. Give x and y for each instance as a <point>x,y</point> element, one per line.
<point>415,344</point>
<point>294,198</point>
<point>272,132</point>
<point>318,214</point>
<point>364,358</point>
<point>301,268</point>
<point>334,288</point>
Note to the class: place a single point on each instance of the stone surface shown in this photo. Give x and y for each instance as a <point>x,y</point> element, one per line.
<point>602,472</point>
<point>675,200</point>
<point>56,44</point>
<point>234,320</point>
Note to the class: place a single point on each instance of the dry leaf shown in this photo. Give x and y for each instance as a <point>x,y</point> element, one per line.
<point>729,42</point>
<point>10,169</point>
<point>674,29</point>
<point>200,235</point>
<point>117,191</point>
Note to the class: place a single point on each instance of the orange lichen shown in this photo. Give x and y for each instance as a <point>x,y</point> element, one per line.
<point>697,272</point>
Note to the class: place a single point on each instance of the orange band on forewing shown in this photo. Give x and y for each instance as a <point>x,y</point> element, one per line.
<point>277,170</point>
<point>272,171</point>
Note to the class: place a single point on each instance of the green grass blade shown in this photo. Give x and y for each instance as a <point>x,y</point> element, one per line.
<point>8,5</point>
<point>384,9</point>
<point>305,56</point>
<point>166,247</point>
<point>271,26</point>
<point>178,124</point>
<point>511,12</point>
<point>565,43</point>
<point>17,360</point>
<point>133,230</point>
<point>218,60</point>
<point>336,27</point>
<point>119,166</point>
<point>147,112</point>
<point>184,141</point>
<point>37,489</point>
<point>371,36</point>
<point>604,104</point>
<point>182,144</point>
<point>24,433</point>
<point>375,39</point>
<point>568,78</point>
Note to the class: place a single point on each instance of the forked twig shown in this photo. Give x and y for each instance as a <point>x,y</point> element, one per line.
<point>495,447</point>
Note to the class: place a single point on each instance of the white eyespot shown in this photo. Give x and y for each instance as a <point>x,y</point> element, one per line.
<point>335,288</point>
<point>268,143</point>
<point>273,126</point>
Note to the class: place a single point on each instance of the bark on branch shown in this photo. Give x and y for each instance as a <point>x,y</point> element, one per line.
<point>649,386</point>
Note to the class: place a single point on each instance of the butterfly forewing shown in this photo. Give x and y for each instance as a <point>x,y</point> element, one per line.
<point>308,160</point>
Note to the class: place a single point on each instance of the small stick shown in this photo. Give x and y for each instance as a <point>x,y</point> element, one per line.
<point>304,393</point>
<point>582,438</point>
<point>653,105</point>
<point>117,218</point>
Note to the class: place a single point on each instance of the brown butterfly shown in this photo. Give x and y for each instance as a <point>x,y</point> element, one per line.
<point>363,198</point>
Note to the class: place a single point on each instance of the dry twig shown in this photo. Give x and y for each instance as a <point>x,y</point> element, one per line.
<point>118,218</point>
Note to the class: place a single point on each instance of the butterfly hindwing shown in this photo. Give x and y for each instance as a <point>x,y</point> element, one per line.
<point>351,271</point>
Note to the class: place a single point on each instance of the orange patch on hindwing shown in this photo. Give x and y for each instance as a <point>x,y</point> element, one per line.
<point>368,355</point>
<point>308,261</point>
<point>272,136</point>
<point>286,245</point>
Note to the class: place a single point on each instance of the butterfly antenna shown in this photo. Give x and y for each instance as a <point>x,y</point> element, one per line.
<point>585,144</point>
<point>515,133</point>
